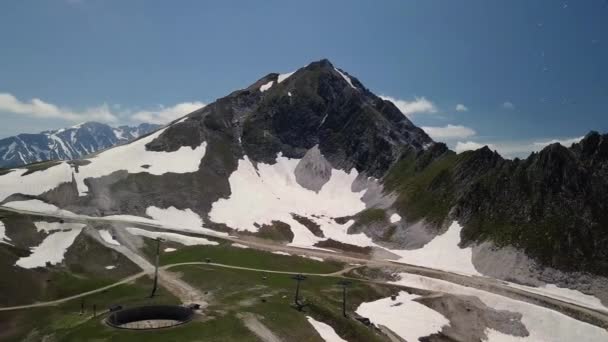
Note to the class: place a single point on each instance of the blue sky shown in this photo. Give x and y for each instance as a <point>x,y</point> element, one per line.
<point>524,72</point>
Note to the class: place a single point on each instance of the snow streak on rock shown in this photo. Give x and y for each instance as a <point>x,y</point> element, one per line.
<point>326,331</point>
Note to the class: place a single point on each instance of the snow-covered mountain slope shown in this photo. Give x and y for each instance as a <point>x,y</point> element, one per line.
<point>310,159</point>
<point>67,143</point>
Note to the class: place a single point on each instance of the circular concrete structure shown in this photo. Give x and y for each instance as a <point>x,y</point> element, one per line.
<point>150,317</point>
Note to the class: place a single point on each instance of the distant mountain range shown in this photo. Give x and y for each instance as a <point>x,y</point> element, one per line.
<point>66,143</point>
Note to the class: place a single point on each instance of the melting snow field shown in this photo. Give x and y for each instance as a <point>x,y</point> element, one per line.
<point>52,249</point>
<point>442,253</point>
<point>544,325</point>
<point>326,331</point>
<point>179,238</point>
<point>404,316</point>
<point>272,193</point>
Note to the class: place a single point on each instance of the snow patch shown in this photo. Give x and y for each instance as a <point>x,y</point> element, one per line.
<point>34,183</point>
<point>565,294</point>
<point>442,253</point>
<point>283,77</point>
<point>313,258</point>
<point>131,156</point>
<point>543,324</point>
<point>110,267</point>
<point>108,238</point>
<point>346,78</point>
<point>266,86</point>
<point>395,218</point>
<point>179,238</point>
<point>281,253</point>
<point>238,245</point>
<point>404,316</point>
<point>52,249</point>
<point>39,207</point>
<point>325,331</point>
<point>3,238</point>
<point>169,249</point>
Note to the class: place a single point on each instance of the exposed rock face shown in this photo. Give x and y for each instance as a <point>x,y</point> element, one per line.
<point>68,143</point>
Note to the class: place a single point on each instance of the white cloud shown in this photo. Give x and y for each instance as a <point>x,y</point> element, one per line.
<point>508,105</point>
<point>566,142</point>
<point>449,132</point>
<point>461,108</point>
<point>37,108</point>
<point>167,114</point>
<point>409,108</point>
<point>470,146</point>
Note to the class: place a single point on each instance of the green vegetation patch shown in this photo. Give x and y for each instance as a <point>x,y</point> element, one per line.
<point>425,191</point>
<point>243,257</point>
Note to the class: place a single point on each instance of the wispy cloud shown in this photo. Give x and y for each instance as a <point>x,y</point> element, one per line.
<point>461,108</point>
<point>419,105</point>
<point>449,132</point>
<point>37,108</point>
<point>508,105</point>
<point>167,114</point>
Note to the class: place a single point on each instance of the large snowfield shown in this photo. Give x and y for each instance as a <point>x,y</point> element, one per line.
<point>272,193</point>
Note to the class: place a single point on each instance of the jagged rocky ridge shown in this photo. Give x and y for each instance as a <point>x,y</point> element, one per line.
<point>552,204</point>
<point>67,143</point>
